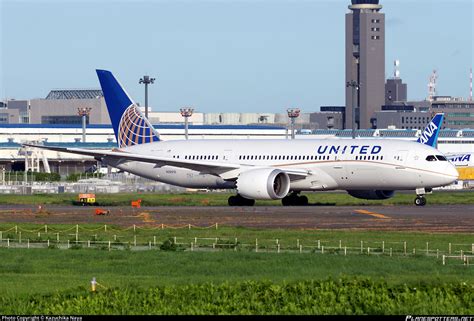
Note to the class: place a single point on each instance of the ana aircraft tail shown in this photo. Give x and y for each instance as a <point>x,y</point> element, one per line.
<point>130,125</point>
<point>429,136</point>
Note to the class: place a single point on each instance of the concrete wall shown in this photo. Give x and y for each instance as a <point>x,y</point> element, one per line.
<point>402,120</point>
<point>327,120</point>
<point>68,107</point>
<point>395,91</point>
<point>21,105</point>
<point>174,117</point>
<point>9,116</point>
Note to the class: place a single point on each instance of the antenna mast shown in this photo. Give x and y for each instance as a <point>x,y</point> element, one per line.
<point>432,85</point>
<point>396,69</point>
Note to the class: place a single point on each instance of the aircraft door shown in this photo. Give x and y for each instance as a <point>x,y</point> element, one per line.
<point>401,157</point>
<point>227,155</point>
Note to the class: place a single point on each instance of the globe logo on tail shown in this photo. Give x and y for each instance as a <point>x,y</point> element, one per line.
<point>135,129</point>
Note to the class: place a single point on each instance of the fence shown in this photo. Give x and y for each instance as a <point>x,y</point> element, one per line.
<point>146,238</point>
<point>86,186</point>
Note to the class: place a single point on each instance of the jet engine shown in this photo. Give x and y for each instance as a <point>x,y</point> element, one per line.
<point>372,194</point>
<point>263,183</point>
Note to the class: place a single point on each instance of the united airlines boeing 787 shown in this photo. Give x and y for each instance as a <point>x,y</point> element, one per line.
<point>267,169</point>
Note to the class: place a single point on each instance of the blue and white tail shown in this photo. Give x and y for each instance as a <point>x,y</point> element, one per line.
<point>429,136</point>
<point>130,125</point>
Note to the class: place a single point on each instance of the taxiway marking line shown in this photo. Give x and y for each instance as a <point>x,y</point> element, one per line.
<point>371,214</point>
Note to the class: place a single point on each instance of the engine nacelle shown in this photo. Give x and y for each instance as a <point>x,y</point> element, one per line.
<point>372,194</point>
<point>263,184</point>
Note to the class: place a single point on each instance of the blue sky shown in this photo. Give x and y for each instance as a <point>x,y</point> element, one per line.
<point>224,55</point>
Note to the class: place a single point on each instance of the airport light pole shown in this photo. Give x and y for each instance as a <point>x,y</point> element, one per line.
<point>186,112</point>
<point>355,87</point>
<point>84,112</point>
<point>146,80</point>
<point>293,113</point>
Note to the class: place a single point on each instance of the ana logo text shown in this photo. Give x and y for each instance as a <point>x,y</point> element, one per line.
<point>460,158</point>
<point>428,132</point>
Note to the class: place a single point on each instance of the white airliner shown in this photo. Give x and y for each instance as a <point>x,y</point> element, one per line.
<point>267,169</point>
<point>464,164</point>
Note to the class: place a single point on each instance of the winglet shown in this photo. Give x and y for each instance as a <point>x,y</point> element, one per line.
<point>429,136</point>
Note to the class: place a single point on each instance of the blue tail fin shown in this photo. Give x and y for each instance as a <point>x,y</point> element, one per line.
<point>429,136</point>
<point>130,125</point>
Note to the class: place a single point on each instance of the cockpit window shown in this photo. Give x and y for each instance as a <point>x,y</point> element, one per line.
<point>441,158</point>
<point>431,158</point>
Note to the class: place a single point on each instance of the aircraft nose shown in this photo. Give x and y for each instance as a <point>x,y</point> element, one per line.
<point>452,172</point>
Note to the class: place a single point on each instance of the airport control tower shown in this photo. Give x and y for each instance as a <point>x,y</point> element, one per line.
<point>365,61</point>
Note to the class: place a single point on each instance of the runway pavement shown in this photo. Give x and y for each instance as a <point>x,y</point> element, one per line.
<point>436,218</point>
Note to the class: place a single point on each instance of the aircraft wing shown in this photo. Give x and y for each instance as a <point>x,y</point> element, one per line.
<point>225,170</point>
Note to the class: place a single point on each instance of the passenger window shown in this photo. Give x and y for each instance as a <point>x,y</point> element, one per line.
<point>431,158</point>
<point>441,158</point>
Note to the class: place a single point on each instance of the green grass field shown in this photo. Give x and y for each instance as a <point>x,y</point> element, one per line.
<point>220,199</point>
<point>221,281</point>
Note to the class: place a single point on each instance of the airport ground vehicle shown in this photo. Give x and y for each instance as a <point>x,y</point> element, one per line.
<point>100,211</point>
<point>137,203</point>
<point>86,200</point>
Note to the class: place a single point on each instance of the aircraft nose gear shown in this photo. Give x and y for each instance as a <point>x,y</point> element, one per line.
<point>420,200</point>
<point>294,200</point>
<point>238,200</point>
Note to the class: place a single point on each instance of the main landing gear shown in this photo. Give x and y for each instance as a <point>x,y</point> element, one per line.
<point>238,200</point>
<point>294,200</point>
